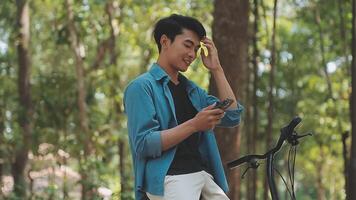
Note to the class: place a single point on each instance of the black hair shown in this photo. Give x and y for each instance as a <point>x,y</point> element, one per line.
<point>173,25</point>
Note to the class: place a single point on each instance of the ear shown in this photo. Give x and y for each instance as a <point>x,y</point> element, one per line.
<point>165,41</point>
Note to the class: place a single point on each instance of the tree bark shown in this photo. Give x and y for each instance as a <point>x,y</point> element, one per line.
<point>112,7</point>
<point>248,121</point>
<point>113,12</point>
<point>248,127</point>
<point>265,21</point>
<point>3,104</point>
<point>2,143</point>
<point>320,174</point>
<point>24,89</point>
<point>322,52</point>
<point>352,168</point>
<point>253,189</point>
<point>77,48</point>
<point>231,39</point>
<point>271,91</point>
<point>114,30</point>
<point>84,137</point>
<point>344,138</point>
<point>320,186</point>
<point>345,135</point>
<point>343,34</point>
<point>122,154</point>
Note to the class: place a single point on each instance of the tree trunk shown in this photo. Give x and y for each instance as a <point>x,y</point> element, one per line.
<point>345,135</point>
<point>78,50</point>
<point>248,125</point>
<point>111,8</point>
<point>122,154</point>
<point>343,34</point>
<point>320,174</point>
<point>322,52</point>
<point>113,12</point>
<point>65,187</point>
<point>116,105</point>
<point>231,38</point>
<point>271,91</point>
<point>264,14</point>
<point>352,168</point>
<point>320,187</point>
<point>24,88</point>
<point>2,143</point>
<point>30,184</point>
<point>84,137</point>
<point>253,190</point>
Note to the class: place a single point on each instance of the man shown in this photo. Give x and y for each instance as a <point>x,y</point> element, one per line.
<point>170,119</point>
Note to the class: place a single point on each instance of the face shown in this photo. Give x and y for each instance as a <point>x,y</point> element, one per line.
<point>182,52</point>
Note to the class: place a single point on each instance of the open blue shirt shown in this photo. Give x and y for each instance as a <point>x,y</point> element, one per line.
<point>150,109</point>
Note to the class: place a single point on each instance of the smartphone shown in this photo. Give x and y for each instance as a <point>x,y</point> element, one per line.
<point>224,104</point>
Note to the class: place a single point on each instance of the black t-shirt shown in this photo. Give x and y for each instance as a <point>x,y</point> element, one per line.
<point>187,158</point>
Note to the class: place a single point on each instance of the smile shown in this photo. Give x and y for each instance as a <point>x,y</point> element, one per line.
<point>187,61</point>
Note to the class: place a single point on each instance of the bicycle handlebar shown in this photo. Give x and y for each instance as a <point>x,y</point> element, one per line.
<point>286,132</point>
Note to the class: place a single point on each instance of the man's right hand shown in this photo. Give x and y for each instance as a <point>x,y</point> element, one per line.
<point>207,118</point>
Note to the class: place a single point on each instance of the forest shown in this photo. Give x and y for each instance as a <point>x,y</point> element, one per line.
<point>65,64</point>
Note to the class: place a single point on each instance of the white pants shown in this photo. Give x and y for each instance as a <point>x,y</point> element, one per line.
<point>190,187</point>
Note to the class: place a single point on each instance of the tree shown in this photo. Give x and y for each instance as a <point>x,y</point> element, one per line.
<point>313,58</point>
<point>231,38</point>
<point>252,186</point>
<point>271,92</point>
<point>84,135</point>
<point>24,89</point>
<point>352,168</point>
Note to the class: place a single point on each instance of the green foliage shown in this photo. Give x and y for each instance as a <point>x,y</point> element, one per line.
<point>301,87</point>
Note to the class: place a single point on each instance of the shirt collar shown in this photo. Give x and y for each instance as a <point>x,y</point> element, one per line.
<point>159,74</point>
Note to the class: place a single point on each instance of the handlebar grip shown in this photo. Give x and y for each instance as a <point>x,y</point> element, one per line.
<point>240,161</point>
<point>295,122</point>
<point>288,130</point>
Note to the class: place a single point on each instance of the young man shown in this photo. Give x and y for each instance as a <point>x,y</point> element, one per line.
<point>170,119</point>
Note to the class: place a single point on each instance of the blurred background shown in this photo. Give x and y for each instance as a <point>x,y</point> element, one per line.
<point>64,65</point>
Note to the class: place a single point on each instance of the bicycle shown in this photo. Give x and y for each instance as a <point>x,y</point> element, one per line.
<point>287,134</point>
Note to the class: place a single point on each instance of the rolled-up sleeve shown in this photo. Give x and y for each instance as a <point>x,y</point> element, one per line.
<point>232,115</point>
<point>143,127</point>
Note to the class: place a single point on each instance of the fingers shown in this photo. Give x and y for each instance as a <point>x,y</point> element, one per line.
<point>210,116</point>
<point>210,107</point>
<point>213,110</point>
<point>215,116</point>
<point>216,120</point>
<point>208,41</point>
<point>210,47</point>
<point>219,117</point>
<point>216,111</point>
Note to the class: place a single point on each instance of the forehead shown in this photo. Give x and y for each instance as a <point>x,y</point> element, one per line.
<point>189,36</point>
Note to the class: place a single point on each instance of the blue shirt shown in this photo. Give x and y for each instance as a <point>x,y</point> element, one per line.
<point>150,109</point>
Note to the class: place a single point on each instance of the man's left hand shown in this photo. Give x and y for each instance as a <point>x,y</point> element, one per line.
<point>211,61</point>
